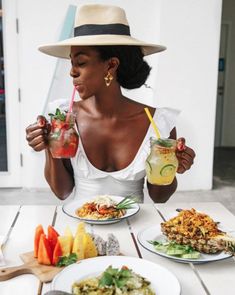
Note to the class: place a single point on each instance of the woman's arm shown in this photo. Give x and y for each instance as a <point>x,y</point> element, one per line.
<point>59,175</point>
<point>161,193</point>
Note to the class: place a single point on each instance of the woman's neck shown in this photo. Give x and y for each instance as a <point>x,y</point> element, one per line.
<point>109,103</point>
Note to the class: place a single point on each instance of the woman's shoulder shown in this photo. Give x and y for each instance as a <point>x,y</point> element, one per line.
<point>83,107</point>
<point>133,106</point>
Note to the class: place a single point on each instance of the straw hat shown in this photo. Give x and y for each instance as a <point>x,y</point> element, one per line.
<point>99,25</point>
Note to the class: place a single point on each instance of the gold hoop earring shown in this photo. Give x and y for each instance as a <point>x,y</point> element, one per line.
<point>108,79</point>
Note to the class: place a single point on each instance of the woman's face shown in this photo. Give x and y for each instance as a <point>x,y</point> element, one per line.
<point>88,71</point>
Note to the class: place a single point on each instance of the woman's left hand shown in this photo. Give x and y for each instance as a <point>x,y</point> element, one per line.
<point>185,156</point>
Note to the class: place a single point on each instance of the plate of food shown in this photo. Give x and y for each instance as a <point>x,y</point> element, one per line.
<point>103,209</point>
<point>122,275</point>
<point>191,236</point>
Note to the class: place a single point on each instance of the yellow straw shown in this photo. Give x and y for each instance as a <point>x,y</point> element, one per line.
<point>152,122</point>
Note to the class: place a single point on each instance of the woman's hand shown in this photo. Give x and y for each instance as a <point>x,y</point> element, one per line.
<point>37,133</point>
<point>185,156</point>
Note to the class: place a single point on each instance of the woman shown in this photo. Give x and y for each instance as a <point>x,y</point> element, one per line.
<point>114,130</point>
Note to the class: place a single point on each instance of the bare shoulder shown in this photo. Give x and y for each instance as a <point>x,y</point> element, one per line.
<point>80,107</point>
<point>135,107</point>
<point>129,109</point>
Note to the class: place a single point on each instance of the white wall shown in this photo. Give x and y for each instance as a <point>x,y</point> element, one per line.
<point>228,136</point>
<point>183,77</point>
<point>187,78</point>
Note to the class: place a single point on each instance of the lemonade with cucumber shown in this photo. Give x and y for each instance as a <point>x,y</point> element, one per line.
<point>161,164</point>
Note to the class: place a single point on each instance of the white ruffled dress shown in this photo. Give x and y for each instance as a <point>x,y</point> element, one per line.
<point>90,181</point>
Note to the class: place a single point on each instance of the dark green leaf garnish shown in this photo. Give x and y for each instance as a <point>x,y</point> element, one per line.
<point>114,277</point>
<point>106,280</point>
<point>154,243</point>
<point>59,115</point>
<point>164,142</point>
<point>67,260</point>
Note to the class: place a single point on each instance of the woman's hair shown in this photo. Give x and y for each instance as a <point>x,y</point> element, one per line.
<point>133,70</point>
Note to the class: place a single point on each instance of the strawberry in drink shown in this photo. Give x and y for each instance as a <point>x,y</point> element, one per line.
<point>63,138</point>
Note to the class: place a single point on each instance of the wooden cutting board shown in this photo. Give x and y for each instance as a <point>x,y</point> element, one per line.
<point>45,273</point>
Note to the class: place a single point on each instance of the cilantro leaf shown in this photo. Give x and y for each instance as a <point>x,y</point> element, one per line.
<point>115,277</point>
<point>106,280</point>
<point>121,282</point>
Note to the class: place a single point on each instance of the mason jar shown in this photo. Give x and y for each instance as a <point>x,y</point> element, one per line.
<point>161,164</point>
<point>63,137</point>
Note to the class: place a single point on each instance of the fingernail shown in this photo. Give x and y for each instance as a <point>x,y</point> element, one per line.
<point>41,121</point>
<point>180,145</point>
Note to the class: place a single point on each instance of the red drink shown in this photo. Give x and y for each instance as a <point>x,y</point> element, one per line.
<point>63,138</point>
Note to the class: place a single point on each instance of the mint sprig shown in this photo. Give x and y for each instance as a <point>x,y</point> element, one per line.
<point>164,142</point>
<point>59,115</point>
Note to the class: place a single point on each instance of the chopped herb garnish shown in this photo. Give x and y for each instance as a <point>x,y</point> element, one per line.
<point>67,260</point>
<point>164,142</point>
<point>115,277</point>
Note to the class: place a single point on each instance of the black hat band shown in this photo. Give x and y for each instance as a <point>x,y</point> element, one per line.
<point>112,29</point>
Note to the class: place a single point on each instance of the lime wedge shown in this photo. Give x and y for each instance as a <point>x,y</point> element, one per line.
<point>167,170</point>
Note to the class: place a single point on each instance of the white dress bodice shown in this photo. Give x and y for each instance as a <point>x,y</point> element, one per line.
<point>90,181</point>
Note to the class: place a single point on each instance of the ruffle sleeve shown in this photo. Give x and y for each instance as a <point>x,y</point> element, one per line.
<point>165,119</point>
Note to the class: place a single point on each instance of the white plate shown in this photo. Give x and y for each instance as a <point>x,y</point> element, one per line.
<point>71,207</point>
<point>163,282</point>
<point>154,233</point>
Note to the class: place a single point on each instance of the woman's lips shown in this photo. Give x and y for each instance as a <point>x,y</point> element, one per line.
<point>78,87</point>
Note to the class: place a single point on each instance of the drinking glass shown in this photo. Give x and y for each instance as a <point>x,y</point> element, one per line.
<point>161,164</point>
<point>63,137</point>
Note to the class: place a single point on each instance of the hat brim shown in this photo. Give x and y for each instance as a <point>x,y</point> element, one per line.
<point>62,48</point>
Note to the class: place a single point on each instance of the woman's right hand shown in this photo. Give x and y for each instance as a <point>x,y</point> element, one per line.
<point>37,134</point>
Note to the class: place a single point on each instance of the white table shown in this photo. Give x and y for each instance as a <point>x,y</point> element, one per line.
<point>209,278</point>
